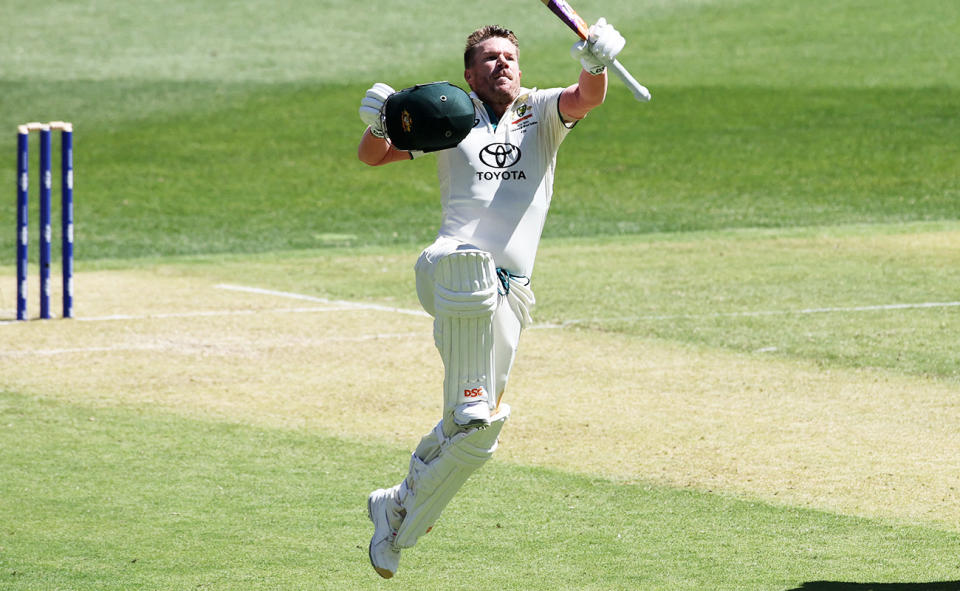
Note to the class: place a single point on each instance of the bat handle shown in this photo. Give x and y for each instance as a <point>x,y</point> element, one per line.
<point>639,91</point>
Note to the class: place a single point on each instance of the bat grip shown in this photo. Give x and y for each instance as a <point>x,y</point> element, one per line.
<point>639,91</point>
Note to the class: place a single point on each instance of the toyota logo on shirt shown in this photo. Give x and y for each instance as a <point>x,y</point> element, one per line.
<point>500,155</point>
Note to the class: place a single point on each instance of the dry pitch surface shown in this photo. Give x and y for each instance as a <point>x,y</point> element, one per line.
<point>858,442</point>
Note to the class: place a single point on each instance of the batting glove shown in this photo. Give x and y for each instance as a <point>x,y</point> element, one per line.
<point>589,62</point>
<point>372,104</point>
<point>601,47</point>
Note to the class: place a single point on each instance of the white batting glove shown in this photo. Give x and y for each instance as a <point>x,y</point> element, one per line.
<point>372,104</point>
<point>589,62</point>
<point>601,47</point>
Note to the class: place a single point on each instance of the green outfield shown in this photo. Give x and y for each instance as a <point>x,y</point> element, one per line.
<point>743,373</point>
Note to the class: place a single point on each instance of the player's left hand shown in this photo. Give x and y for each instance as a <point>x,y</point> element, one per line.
<point>372,104</point>
<point>605,42</point>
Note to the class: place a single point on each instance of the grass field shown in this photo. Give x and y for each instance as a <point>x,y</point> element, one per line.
<point>743,373</point>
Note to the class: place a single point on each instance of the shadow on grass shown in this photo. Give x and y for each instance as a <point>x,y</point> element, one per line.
<point>839,586</point>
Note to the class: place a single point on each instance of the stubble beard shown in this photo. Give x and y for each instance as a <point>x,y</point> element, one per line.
<point>499,95</point>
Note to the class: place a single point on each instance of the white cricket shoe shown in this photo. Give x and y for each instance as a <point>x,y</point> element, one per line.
<point>383,509</point>
<point>472,414</point>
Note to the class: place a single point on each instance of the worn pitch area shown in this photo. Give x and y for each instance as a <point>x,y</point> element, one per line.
<point>859,442</point>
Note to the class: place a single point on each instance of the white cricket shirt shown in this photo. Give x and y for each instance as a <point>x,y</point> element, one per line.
<point>498,182</point>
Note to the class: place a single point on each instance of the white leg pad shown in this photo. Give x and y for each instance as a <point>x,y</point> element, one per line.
<point>431,485</point>
<point>465,299</point>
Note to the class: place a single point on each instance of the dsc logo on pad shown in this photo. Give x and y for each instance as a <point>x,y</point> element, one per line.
<point>475,392</point>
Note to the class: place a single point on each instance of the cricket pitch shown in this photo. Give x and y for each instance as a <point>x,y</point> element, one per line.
<point>858,442</point>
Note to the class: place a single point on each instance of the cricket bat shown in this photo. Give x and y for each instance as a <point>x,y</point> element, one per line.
<point>569,16</point>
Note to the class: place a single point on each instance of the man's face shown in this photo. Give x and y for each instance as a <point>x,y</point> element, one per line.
<point>495,73</point>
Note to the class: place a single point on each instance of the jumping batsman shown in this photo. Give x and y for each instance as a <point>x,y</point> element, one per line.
<point>496,186</point>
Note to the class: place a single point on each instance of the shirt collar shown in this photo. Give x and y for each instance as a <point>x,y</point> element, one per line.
<point>482,105</point>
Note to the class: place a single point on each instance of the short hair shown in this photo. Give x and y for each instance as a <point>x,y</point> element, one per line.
<point>481,35</point>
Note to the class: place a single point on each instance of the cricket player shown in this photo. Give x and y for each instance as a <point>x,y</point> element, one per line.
<point>496,188</point>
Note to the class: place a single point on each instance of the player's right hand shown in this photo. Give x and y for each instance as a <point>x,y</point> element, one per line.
<point>590,63</point>
<point>372,104</point>
<point>605,42</point>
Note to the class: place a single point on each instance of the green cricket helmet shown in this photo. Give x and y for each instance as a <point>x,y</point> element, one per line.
<point>428,117</point>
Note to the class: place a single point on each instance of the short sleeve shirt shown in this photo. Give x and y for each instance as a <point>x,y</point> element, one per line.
<point>497,184</point>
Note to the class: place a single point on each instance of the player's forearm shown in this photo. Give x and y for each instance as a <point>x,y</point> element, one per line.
<point>372,149</point>
<point>589,92</point>
<point>592,88</point>
<point>377,151</point>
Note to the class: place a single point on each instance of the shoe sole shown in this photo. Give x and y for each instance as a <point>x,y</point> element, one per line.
<point>386,574</point>
<point>477,423</point>
<point>473,423</point>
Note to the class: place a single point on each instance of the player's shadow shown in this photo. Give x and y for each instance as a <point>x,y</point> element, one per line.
<point>840,586</point>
